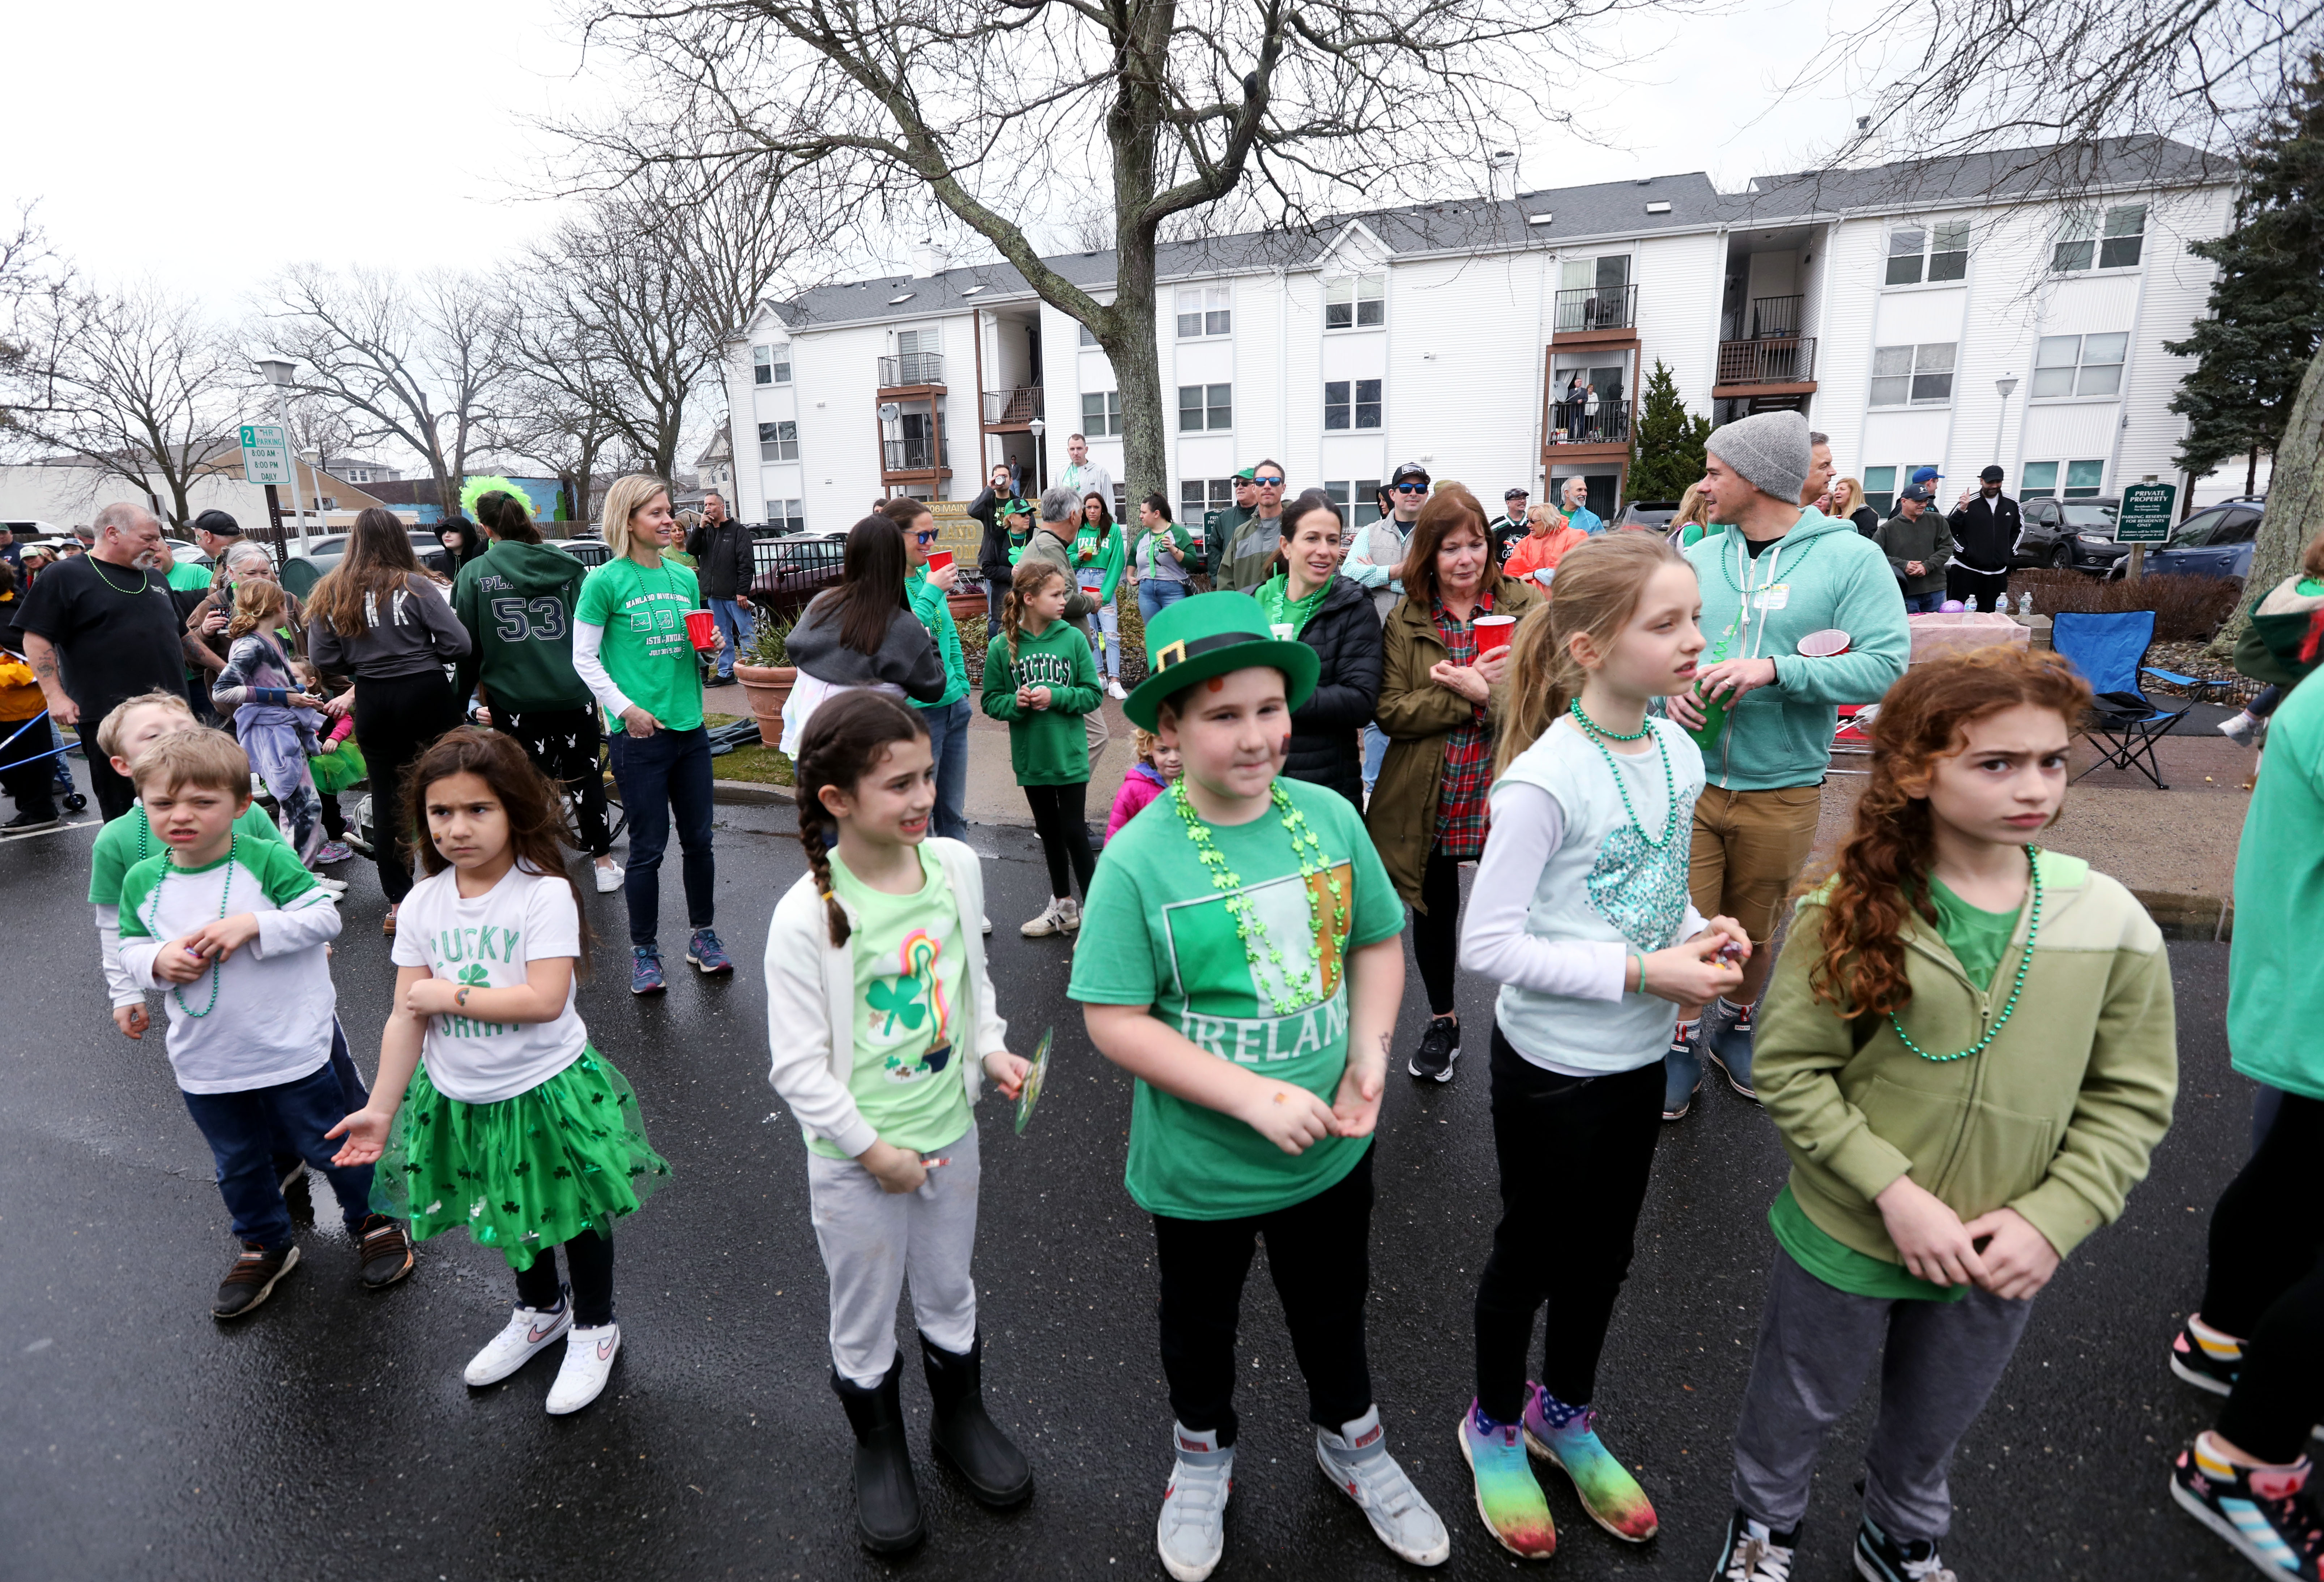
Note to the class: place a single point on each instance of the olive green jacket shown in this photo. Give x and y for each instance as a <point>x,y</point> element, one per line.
<point>2055,1118</point>
<point>1418,715</point>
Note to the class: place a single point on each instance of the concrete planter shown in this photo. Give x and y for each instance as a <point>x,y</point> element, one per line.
<point>768,687</point>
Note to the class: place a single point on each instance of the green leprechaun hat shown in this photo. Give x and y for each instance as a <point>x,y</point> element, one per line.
<point>1209,635</point>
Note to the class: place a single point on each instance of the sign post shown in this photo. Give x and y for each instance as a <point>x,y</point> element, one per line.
<point>2143,518</point>
<point>267,458</point>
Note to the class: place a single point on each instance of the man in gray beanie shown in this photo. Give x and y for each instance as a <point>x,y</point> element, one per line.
<point>1764,712</point>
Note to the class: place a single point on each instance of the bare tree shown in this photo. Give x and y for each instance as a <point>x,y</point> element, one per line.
<point>321,426</point>
<point>33,278</point>
<point>559,419</point>
<point>994,112</point>
<point>419,362</point>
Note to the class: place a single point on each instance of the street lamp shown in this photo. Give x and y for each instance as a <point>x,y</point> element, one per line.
<point>278,372</point>
<point>1040,457</point>
<point>2002,387</point>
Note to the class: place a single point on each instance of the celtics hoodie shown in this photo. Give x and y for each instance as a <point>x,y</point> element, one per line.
<point>517,602</point>
<point>1046,746</point>
<point>1821,574</point>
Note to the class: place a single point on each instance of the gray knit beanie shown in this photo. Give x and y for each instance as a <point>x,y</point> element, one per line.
<point>1771,449</point>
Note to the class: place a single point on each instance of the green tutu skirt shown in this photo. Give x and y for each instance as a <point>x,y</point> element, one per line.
<point>526,1173</point>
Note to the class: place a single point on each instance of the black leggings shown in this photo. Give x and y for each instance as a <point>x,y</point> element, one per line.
<point>2266,1287</point>
<point>1318,1252</point>
<point>589,1256</point>
<point>1060,820</point>
<point>1597,1129</point>
<point>396,718</point>
<point>563,744</point>
<point>1437,932</point>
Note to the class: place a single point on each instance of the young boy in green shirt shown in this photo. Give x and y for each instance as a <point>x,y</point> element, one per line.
<point>1257,1020</point>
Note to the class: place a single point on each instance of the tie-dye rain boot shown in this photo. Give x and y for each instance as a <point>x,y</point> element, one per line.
<point>1568,1436</point>
<point>1509,1497</point>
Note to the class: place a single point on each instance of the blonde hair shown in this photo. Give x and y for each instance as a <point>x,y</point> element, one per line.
<point>1691,512</point>
<point>256,604</point>
<point>1598,585</point>
<point>209,759</point>
<point>1847,495</point>
<point>116,724</point>
<point>1028,579</point>
<point>623,501</point>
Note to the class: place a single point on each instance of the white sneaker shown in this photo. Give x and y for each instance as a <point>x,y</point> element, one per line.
<point>1113,688</point>
<point>2240,728</point>
<point>988,924</point>
<point>588,1359</point>
<point>1051,921</point>
<point>609,880</point>
<point>1356,1458</point>
<point>333,887</point>
<point>1069,913</point>
<point>1191,1534</point>
<point>528,1332</point>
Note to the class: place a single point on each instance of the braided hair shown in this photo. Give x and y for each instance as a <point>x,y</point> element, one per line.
<point>850,734</point>
<point>1029,578</point>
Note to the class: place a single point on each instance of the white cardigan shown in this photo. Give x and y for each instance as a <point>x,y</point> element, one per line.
<point>811,1002</point>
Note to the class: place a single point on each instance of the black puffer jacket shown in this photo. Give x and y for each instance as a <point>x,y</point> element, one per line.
<point>1327,748</point>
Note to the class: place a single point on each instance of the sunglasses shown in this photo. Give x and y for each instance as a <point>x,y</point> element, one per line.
<point>1412,488</point>
<point>927,538</point>
<point>1269,482</point>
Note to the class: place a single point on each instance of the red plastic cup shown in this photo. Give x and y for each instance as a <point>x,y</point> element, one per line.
<point>702,629</point>
<point>1493,632</point>
<point>939,560</point>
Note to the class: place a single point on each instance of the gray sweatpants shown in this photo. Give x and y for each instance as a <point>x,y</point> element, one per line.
<point>871,1239</point>
<point>1939,1361</point>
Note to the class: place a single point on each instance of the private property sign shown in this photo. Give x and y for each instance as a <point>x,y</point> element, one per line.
<point>266,454</point>
<point>2146,514</point>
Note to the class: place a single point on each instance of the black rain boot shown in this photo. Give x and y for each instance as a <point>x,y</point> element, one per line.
<point>886,1500</point>
<point>963,1436</point>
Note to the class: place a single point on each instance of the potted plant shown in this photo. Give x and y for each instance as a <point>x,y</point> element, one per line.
<point>765,670</point>
<point>967,599</point>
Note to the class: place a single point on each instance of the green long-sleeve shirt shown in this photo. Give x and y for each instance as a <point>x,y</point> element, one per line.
<point>930,604</point>
<point>1103,551</point>
<point>1046,746</point>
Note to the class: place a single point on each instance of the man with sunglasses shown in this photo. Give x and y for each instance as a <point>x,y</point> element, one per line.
<point>1245,506</point>
<point>1248,559</point>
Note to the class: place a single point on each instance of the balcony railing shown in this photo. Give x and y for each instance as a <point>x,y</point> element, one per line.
<point>1772,318</point>
<point>1019,404</point>
<point>912,455</point>
<point>1774,360</point>
<point>1597,307</point>
<point>1577,423</point>
<point>911,368</point>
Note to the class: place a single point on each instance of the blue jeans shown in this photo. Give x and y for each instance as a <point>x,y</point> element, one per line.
<point>242,1129</point>
<point>949,740</point>
<point>734,619</point>
<point>1923,604</point>
<point>1156,593</point>
<point>1374,754</point>
<point>1104,625</point>
<point>668,771</point>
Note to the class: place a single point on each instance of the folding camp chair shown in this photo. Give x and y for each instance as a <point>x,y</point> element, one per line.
<point>2110,652</point>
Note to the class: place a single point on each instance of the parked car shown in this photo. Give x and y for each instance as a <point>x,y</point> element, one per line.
<point>2217,541</point>
<point>2071,534</point>
<point>789,571</point>
<point>1647,513</point>
<point>300,573</point>
<point>590,552</point>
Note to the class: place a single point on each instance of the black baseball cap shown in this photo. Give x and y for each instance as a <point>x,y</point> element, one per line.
<point>1917,492</point>
<point>1991,475</point>
<point>1517,494</point>
<point>1408,470</point>
<point>219,522</point>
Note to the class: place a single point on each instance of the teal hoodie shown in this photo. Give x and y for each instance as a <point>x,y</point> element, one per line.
<point>934,608</point>
<point>517,602</point>
<point>1822,574</point>
<point>1103,551</point>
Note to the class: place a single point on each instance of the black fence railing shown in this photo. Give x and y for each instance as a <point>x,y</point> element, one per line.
<point>1019,404</point>
<point>913,454</point>
<point>1773,317</point>
<point>1597,307</point>
<point>1782,360</point>
<point>1583,423</point>
<point>910,368</point>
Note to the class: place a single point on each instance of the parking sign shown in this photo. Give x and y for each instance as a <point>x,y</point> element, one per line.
<point>266,454</point>
<point>2146,514</point>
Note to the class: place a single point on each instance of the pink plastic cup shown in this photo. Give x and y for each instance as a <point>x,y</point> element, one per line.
<point>1493,632</point>
<point>702,629</point>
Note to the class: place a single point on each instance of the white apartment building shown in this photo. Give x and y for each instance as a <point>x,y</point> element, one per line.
<point>1951,313</point>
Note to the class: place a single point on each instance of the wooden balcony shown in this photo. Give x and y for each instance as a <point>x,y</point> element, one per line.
<point>1014,407</point>
<point>1770,365</point>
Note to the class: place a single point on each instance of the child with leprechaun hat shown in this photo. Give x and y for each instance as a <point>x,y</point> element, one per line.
<point>1252,988</point>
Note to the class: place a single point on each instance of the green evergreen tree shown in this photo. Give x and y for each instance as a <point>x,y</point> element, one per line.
<point>1667,443</point>
<point>2267,305</point>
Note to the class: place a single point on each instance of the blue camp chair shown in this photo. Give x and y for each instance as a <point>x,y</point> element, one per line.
<point>2110,653</point>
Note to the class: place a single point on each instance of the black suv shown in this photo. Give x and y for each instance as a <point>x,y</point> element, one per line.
<point>2071,535</point>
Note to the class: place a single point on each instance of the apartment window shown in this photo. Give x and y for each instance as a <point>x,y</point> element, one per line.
<point>1199,496</point>
<point>2083,480</point>
<point>2090,365</point>
<point>1355,301</point>
<point>1351,403</point>
<point>1359,494</point>
<point>1100,412</point>
<point>1919,253</point>
<point>1912,375</point>
<point>1882,485</point>
<point>1205,405</point>
<point>1205,310</point>
<point>1087,338</point>
<point>787,515</point>
<point>2117,238</point>
<point>770,364</point>
<point>779,442</point>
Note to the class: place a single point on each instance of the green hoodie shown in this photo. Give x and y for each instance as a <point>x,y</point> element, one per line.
<point>934,611</point>
<point>2055,1118</point>
<point>517,602</point>
<point>1822,574</point>
<point>1046,746</point>
<point>1105,552</point>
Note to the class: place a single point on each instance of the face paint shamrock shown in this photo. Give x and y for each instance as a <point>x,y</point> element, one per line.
<point>896,997</point>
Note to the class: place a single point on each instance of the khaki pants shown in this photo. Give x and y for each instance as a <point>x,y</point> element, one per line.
<point>1748,848</point>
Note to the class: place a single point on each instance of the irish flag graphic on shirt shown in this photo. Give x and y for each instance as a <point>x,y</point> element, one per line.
<point>1205,950</point>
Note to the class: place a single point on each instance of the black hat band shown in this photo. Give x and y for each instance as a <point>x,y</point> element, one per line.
<point>1171,654</point>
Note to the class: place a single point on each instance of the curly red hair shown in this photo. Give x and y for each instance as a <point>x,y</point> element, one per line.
<point>1882,866</point>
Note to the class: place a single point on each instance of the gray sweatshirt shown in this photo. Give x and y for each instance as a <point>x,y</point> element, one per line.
<point>908,657</point>
<point>415,633</point>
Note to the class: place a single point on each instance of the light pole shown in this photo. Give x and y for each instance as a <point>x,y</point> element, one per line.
<point>278,374</point>
<point>2002,387</point>
<point>1040,461</point>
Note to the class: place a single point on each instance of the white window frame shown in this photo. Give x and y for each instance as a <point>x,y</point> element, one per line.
<point>788,514</point>
<point>1356,301</point>
<point>1205,312</point>
<point>2087,237</point>
<point>2062,368</point>
<point>1900,478</point>
<point>770,365</point>
<point>1208,404</point>
<point>2083,479</point>
<point>1921,367</point>
<point>1926,253</point>
<point>1352,405</point>
<point>1197,497</point>
<point>1107,419</point>
<point>1356,496</point>
<point>779,446</point>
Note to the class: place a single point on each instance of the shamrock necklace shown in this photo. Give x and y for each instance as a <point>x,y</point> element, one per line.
<point>2024,961</point>
<point>152,920</point>
<point>1259,947</point>
<point>1593,731</point>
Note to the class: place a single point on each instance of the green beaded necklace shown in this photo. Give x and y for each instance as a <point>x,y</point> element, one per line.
<point>2024,961</point>
<point>153,915</point>
<point>1593,731</point>
<point>1258,946</point>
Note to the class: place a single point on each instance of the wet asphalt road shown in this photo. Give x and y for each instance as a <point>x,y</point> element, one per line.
<point>330,1435</point>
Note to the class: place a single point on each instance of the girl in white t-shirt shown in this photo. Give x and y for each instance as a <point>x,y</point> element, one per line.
<point>513,1125</point>
<point>1580,913</point>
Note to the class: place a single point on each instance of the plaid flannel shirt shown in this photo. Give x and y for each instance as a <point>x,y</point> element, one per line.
<point>1462,816</point>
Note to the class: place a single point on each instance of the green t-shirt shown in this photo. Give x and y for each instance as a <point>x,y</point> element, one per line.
<point>186,575</point>
<point>911,992</point>
<point>1186,1161</point>
<point>1978,939</point>
<point>646,649</point>
<point>127,842</point>
<point>1842,1266</point>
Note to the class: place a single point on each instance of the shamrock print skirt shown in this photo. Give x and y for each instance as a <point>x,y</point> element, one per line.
<point>526,1173</point>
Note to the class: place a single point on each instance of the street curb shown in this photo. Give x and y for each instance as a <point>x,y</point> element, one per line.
<point>752,793</point>
<point>2183,916</point>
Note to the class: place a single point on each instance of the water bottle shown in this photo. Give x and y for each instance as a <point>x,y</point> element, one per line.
<point>1968,606</point>
<point>2025,604</point>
